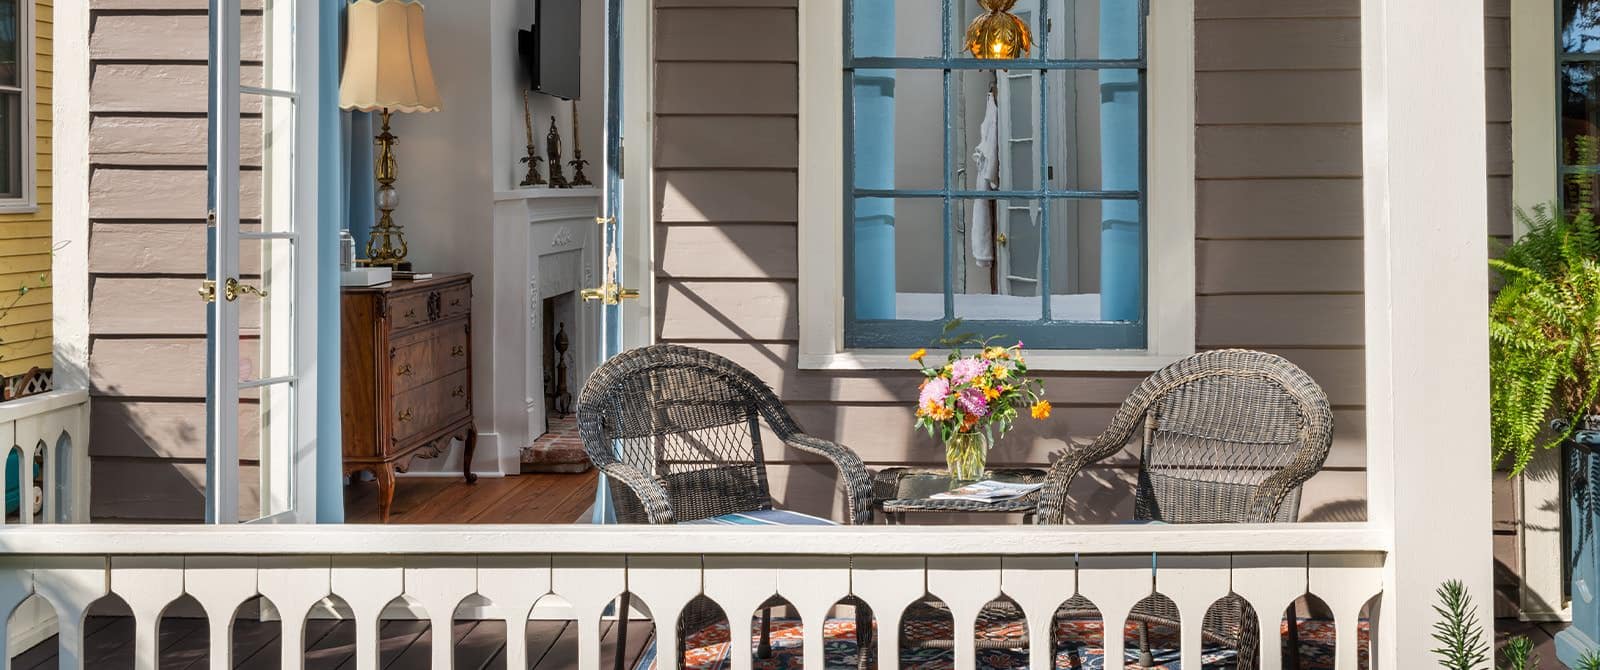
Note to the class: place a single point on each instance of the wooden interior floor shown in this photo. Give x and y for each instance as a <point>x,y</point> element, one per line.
<point>531,498</point>
<point>330,645</point>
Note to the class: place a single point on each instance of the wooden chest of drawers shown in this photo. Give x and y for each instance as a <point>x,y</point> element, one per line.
<point>406,370</point>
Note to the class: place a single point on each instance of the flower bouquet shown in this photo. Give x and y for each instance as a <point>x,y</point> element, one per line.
<point>974,399</point>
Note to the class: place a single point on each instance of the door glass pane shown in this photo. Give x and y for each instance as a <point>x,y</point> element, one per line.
<point>1580,26</point>
<point>266,466</point>
<point>267,48</point>
<point>1580,110</point>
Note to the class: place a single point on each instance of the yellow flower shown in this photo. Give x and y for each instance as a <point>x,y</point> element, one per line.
<point>990,393</point>
<point>920,353</point>
<point>939,412</point>
<point>1041,409</point>
<point>1001,372</point>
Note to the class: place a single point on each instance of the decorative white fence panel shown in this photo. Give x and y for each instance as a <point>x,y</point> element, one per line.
<point>663,568</point>
<point>49,434</point>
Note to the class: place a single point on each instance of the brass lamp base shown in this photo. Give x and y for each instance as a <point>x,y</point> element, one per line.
<point>386,245</point>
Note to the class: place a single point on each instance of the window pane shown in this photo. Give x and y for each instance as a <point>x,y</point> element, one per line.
<point>1580,109</point>
<point>1089,29</point>
<point>1094,130</point>
<point>1101,274</point>
<point>897,270</point>
<point>900,28</point>
<point>272,43</point>
<point>899,123</point>
<point>998,254</point>
<point>10,37</point>
<point>11,141</point>
<point>1580,26</point>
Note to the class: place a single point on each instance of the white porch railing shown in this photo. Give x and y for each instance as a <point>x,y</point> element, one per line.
<point>51,429</point>
<point>437,567</point>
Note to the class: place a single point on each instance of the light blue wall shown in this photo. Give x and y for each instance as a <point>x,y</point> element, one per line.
<point>874,34</point>
<point>1121,293</point>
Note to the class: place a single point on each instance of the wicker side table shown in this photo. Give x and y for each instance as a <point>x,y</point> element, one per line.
<point>896,491</point>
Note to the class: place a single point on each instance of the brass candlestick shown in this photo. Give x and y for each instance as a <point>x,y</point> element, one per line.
<point>532,160</point>
<point>381,247</point>
<point>577,162</point>
<point>552,152</point>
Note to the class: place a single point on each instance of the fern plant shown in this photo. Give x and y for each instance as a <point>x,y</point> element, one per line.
<point>1544,327</point>
<point>1460,637</point>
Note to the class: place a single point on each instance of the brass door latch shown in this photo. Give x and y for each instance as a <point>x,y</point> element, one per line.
<point>231,290</point>
<point>610,293</point>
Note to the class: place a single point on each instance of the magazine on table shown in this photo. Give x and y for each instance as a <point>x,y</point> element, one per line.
<point>988,490</point>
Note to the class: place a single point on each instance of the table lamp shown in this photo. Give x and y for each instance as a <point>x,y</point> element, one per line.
<point>386,70</point>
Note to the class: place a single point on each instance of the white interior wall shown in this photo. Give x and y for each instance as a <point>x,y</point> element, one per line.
<point>448,206</point>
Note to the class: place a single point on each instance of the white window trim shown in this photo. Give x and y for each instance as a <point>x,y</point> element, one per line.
<point>28,203</point>
<point>1170,178</point>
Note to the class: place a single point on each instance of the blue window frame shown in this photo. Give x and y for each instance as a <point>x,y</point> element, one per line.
<point>1049,244</point>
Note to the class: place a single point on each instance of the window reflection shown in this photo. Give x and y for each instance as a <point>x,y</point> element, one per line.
<point>1580,26</point>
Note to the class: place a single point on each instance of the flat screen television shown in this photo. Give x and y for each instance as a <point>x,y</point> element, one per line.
<point>552,51</point>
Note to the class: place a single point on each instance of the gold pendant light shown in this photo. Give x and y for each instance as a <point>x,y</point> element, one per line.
<point>998,34</point>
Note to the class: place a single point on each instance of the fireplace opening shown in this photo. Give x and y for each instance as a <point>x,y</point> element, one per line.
<point>559,449</point>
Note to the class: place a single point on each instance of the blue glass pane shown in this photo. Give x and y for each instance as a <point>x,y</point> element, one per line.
<point>1580,26</point>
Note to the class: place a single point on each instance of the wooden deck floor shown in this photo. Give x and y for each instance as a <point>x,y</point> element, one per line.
<point>532,498</point>
<point>330,645</point>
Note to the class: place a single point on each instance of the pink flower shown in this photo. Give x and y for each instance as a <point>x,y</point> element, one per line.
<point>934,391</point>
<point>972,402</point>
<point>967,369</point>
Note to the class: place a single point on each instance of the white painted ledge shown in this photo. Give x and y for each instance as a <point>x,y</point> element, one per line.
<point>547,193</point>
<point>358,539</point>
<point>1109,360</point>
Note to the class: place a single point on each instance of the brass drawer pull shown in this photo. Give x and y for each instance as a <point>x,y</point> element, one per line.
<point>405,370</point>
<point>460,392</point>
<point>411,313</point>
<point>405,416</point>
<point>456,302</point>
<point>458,351</point>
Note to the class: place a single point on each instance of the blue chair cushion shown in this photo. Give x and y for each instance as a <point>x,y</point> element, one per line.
<point>765,517</point>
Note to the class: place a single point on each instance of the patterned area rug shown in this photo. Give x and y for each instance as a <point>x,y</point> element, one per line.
<point>1079,645</point>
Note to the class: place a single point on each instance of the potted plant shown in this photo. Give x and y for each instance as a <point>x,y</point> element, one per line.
<point>973,399</point>
<point>1544,365</point>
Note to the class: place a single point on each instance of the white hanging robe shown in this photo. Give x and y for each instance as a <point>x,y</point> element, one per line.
<point>980,235</point>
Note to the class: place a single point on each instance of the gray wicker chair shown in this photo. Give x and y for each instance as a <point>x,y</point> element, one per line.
<point>1224,437</point>
<point>676,430</point>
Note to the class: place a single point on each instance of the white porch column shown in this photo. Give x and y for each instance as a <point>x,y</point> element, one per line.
<point>1426,246</point>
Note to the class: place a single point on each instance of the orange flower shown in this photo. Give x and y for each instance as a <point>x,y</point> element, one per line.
<point>990,393</point>
<point>920,353</point>
<point>968,422</point>
<point>936,411</point>
<point>1041,409</point>
<point>993,353</point>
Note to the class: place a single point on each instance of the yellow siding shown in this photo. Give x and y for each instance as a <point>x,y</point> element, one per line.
<point>25,237</point>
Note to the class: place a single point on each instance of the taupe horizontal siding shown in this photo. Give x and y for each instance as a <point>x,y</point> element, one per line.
<point>1278,237</point>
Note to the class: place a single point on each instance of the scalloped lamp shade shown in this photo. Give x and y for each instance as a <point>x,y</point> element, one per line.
<point>386,59</point>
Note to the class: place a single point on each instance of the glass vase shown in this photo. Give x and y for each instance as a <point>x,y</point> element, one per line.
<point>966,454</point>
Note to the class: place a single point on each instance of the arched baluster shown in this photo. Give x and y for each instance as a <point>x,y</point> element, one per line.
<point>814,585</point>
<point>666,584</point>
<point>367,585</point>
<point>440,583</point>
<point>513,584</point>
<point>294,584</point>
<point>16,585</point>
<point>1039,584</point>
<point>220,584</point>
<point>888,584</point>
<point>965,584</point>
<point>1193,582</point>
<point>1345,582</point>
<point>1270,582</point>
<point>55,426</point>
<point>70,584</point>
<point>1115,584</point>
<point>739,584</point>
<point>590,584</point>
<point>148,584</point>
<point>30,437</point>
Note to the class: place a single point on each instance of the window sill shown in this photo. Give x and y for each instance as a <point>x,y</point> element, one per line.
<point>1125,360</point>
<point>18,207</point>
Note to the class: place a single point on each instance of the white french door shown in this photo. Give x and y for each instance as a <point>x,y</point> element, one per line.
<point>261,437</point>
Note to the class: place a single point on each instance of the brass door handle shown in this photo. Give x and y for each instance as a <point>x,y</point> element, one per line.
<point>1001,239</point>
<point>458,351</point>
<point>609,293</point>
<point>405,416</point>
<point>233,288</point>
<point>208,290</point>
<point>405,370</point>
